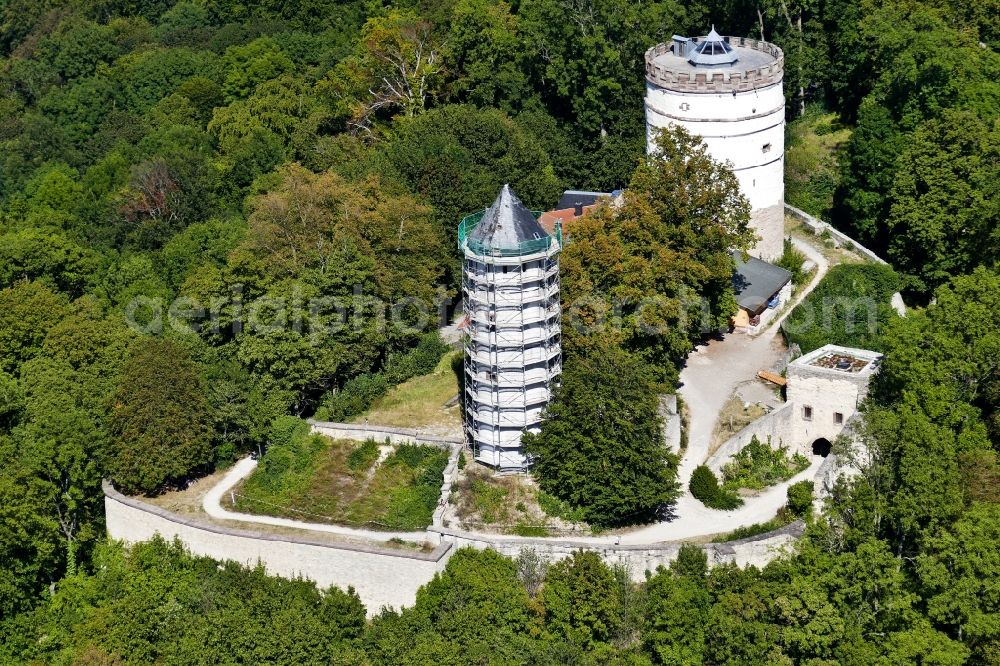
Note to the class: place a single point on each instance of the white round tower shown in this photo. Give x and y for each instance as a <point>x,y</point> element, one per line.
<point>512,350</point>
<point>727,90</point>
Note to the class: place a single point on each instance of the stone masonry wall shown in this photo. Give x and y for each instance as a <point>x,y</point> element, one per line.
<point>381,576</point>
<point>388,577</point>
<point>778,425</point>
<point>361,432</point>
<point>638,559</point>
<point>818,226</point>
<point>769,224</point>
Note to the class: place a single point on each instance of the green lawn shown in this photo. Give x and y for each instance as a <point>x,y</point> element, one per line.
<point>811,169</point>
<point>420,402</point>
<point>318,479</point>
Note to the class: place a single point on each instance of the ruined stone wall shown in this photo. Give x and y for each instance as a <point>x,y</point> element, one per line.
<point>777,425</point>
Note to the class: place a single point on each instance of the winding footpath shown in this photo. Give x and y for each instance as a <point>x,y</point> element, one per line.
<point>713,372</point>
<point>212,504</point>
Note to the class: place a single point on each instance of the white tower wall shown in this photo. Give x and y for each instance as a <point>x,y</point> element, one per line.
<point>739,112</point>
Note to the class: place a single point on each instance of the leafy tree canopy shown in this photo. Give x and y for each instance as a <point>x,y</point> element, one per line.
<point>601,445</point>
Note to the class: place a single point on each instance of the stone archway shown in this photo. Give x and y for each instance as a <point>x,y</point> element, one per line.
<point>821,447</point>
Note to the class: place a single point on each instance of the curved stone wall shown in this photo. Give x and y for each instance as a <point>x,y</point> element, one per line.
<point>381,576</point>
<point>385,576</point>
<point>637,558</point>
<point>388,577</point>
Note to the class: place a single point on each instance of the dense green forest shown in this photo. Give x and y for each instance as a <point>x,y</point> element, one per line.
<point>205,207</point>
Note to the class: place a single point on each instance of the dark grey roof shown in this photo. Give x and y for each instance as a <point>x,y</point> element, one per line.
<point>573,198</point>
<point>506,224</point>
<point>756,282</point>
<point>713,51</point>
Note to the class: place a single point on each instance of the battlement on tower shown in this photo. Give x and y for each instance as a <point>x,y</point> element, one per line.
<point>760,64</point>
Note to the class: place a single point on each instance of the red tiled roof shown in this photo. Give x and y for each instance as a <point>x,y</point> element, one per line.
<point>548,219</point>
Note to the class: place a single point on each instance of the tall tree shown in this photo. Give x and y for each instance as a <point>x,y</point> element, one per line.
<point>946,200</point>
<point>655,273</point>
<point>160,421</point>
<point>27,311</point>
<point>396,69</point>
<point>601,445</point>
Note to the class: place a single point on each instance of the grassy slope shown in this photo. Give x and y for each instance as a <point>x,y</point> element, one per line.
<point>811,170</point>
<point>419,402</point>
<point>399,493</point>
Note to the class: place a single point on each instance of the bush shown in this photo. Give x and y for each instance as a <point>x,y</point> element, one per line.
<point>703,484</point>
<point>356,396</point>
<point>705,487</point>
<point>526,530</point>
<point>555,507</point>
<point>758,466</point>
<point>287,429</point>
<point>363,457</point>
<point>849,307</point>
<point>751,530</point>
<point>490,501</point>
<point>800,498</point>
<point>418,361</point>
<point>792,261</point>
<point>359,393</point>
<point>783,518</point>
<point>291,452</point>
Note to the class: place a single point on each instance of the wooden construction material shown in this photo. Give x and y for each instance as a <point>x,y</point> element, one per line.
<point>771,377</point>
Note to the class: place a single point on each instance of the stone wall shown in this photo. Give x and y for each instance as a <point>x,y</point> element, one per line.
<point>381,576</point>
<point>769,224</point>
<point>672,422</point>
<point>778,425</point>
<point>385,576</point>
<point>638,559</point>
<point>818,226</point>
<point>362,432</point>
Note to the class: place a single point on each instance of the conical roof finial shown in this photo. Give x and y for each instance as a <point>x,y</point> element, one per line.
<point>507,223</point>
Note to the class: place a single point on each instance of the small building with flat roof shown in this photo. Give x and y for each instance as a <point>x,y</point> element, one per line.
<point>761,290</point>
<point>825,388</point>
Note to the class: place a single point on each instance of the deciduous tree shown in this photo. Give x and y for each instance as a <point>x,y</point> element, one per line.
<point>160,421</point>
<point>601,445</point>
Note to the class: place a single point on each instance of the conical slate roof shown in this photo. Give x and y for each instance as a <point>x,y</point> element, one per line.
<point>713,51</point>
<point>506,224</point>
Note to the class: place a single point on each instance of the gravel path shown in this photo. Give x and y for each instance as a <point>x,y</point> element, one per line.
<point>713,371</point>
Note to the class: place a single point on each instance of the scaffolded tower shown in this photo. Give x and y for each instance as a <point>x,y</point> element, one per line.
<point>512,351</point>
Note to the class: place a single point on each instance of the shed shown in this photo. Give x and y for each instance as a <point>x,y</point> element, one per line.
<point>757,283</point>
